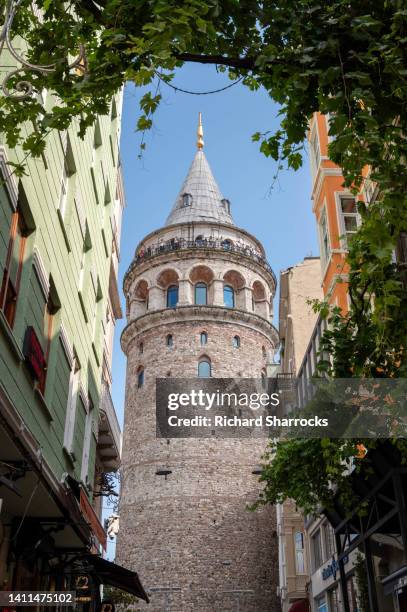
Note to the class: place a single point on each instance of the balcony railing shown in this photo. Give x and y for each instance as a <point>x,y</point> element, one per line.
<point>219,245</point>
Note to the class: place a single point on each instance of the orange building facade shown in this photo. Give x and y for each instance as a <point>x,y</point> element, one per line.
<point>335,208</point>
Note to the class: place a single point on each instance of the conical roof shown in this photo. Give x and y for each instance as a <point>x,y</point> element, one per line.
<point>200,198</point>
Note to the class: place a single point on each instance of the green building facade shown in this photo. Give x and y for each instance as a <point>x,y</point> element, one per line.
<point>59,436</point>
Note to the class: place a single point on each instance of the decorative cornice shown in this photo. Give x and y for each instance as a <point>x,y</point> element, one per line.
<point>42,275</point>
<point>321,174</point>
<point>198,314</point>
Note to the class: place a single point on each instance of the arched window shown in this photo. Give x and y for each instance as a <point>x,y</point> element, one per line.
<point>201,294</point>
<point>172,296</point>
<point>140,377</point>
<point>170,340</point>
<point>227,244</point>
<point>229,296</point>
<point>141,348</point>
<point>204,368</point>
<point>236,341</point>
<point>199,240</point>
<point>204,338</point>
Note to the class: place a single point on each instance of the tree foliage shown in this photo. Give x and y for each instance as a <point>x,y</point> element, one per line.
<point>344,58</point>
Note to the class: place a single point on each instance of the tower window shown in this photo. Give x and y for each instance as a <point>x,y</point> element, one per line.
<point>264,352</point>
<point>141,348</point>
<point>170,340</point>
<point>236,341</point>
<point>204,338</point>
<point>229,296</point>
<point>201,294</point>
<point>227,244</point>
<point>172,296</point>
<point>204,368</point>
<point>140,377</point>
<point>186,199</point>
<point>263,380</point>
<point>226,205</point>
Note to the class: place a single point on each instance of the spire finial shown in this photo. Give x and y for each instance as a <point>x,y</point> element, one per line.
<point>200,141</point>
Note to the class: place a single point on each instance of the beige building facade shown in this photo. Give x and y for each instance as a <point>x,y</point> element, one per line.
<point>298,285</point>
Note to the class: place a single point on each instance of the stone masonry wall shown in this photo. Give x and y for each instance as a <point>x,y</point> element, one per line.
<point>189,535</point>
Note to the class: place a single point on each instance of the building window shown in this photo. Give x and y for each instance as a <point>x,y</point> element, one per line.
<point>140,377</point>
<point>204,368</point>
<point>227,244</point>
<point>264,352</point>
<point>299,552</point>
<point>322,606</point>
<point>141,348</point>
<point>201,294</point>
<point>228,296</point>
<point>316,550</point>
<point>187,199</point>
<point>349,217</point>
<point>324,238</point>
<point>204,338</point>
<point>199,240</point>
<point>172,296</point>
<point>13,268</point>
<point>170,341</point>
<point>315,152</point>
<point>329,541</point>
<point>87,441</point>
<point>263,380</point>
<point>236,341</point>
<point>70,416</point>
<point>226,205</point>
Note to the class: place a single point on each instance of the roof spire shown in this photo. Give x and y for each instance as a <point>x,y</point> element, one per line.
<point>200,141</point>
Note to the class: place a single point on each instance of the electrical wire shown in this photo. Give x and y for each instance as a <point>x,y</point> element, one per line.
<point>197,93</point>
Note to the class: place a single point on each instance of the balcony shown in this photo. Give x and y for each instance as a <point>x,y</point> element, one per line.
<point>109,438</point>
<point>176,245</point>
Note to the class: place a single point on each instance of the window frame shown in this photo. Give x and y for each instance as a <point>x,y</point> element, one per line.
<point>203,335</point>
<point>229,290</point>
<point>200,285</point>
<point>344,233</point>
<point>325,248</point>
<point>172,289</point>
<point>206,361</point>
<point>8,305</point>
<point>140,377</point>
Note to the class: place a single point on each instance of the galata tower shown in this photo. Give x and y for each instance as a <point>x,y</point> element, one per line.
<point>199,303</point>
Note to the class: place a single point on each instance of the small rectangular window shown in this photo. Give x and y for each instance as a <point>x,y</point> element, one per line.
<point>316,550</point>
<point>349,217</point>
<point>324,239</point>
<point>12,271</point>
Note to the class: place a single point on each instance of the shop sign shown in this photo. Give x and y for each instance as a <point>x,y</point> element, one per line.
<point>333,568</point>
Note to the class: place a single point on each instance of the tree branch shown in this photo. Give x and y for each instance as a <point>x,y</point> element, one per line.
<point>245,63</point>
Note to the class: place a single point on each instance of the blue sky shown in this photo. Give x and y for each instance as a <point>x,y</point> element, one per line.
<point>282,219</point>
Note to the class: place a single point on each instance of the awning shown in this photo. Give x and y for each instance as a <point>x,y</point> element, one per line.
<point>117,576</point>
<point>301,605</point>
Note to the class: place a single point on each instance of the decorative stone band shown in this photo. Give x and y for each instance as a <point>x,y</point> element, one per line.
<point>200,314</point>
<point>234,252</point>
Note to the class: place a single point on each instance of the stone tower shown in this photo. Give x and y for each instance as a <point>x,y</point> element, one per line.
<point>199,301</point>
